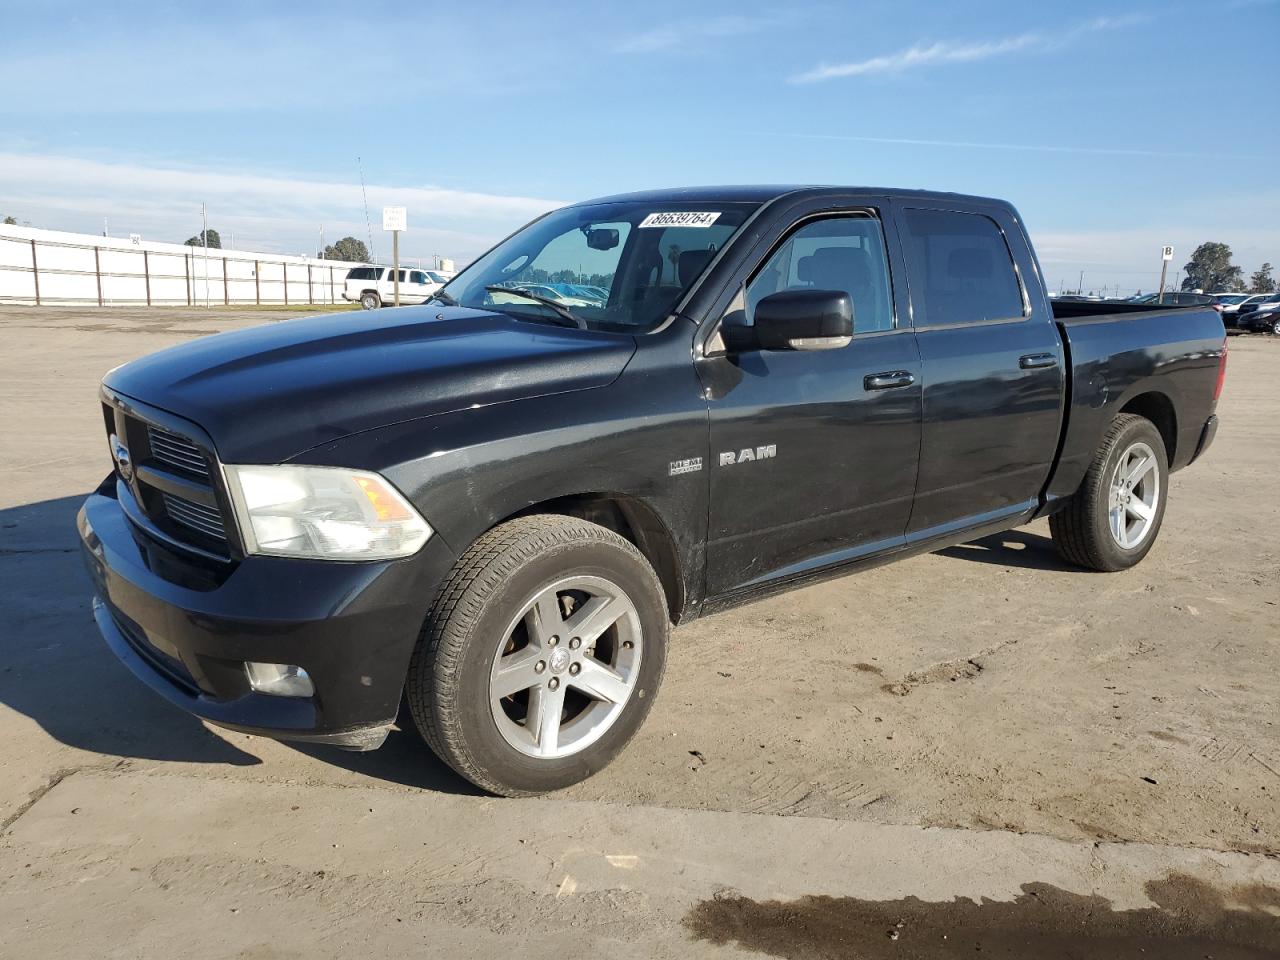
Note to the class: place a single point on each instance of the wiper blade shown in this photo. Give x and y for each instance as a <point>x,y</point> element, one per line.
<point>445,298</point>
<point>561,310</point>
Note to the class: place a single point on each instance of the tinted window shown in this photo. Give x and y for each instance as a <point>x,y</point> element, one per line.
<point>842,253</point>
<point>361,273</point>
<point>417,276</point>
<point>960,269</point>
<point>391,276</point>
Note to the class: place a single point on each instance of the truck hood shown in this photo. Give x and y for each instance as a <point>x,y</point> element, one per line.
<point>266,394</point>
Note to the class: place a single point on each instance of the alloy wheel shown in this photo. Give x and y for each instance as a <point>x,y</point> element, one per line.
<point>566,667</point>
<point>1134,495</point>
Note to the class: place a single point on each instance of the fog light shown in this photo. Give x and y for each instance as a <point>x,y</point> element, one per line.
<point>279,679</point>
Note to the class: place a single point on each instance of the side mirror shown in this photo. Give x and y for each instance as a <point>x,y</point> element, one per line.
<point>804,320</point>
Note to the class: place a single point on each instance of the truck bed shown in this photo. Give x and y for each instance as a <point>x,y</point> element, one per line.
<point>1159,361</point>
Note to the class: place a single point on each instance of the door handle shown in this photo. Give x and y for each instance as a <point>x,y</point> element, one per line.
<point>887,381</point>
<point>1035,361</point>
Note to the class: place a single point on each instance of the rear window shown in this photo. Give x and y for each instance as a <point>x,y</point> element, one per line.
<point>363,273</point>
<point>960,269</point>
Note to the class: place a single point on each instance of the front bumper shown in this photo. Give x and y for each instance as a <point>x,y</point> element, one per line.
<point>351,626</point>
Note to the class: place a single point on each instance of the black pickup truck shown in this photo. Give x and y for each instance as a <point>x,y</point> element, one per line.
<point>494,506</point>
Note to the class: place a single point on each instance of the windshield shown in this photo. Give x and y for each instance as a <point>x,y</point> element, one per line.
<point>615,266</point>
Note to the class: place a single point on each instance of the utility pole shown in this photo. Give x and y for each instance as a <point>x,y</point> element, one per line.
<point>104,227</point>
<point>1080,285</point>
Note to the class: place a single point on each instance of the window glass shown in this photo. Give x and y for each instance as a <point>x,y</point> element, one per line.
<point>841,253</point>
<point>960,269</point>
<point>619,265</point>
<point>391,276</point>
<point>361,273</point>
<point>417,276</point>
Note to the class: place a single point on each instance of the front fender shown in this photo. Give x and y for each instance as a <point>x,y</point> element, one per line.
<point>469,470</point>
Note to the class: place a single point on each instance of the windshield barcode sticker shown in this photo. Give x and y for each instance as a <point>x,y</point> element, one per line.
<point>677,219</point>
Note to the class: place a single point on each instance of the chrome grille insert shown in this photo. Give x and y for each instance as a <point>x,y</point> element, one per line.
<point>177,452</point>
<point>195,516</point>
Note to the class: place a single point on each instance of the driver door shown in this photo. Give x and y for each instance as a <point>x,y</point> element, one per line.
<point>814,454</point>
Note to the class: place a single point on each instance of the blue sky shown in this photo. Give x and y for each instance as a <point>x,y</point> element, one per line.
<point>1114,127</point>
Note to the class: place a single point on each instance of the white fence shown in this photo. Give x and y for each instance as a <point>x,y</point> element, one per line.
<point>46,267</point>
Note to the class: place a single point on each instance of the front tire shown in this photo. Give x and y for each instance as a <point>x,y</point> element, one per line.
<point>541,656</point>
<point>1112,521</point>
<point>370,300</point>
<point>1275,327</point>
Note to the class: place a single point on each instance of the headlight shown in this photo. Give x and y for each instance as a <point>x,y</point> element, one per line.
<point>325,513</point>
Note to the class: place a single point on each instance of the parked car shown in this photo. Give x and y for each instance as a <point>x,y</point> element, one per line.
<point>1257,301</point>
<point>1230,304</point>
<point>1264,319</point>
<point>1178,298</point>
<point>495,508</point>
<point>372,287</point>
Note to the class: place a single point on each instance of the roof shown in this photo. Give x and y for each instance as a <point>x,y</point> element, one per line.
<point>762,193</point>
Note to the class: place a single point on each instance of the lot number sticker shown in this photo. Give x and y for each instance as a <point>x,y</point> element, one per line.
<point>674,219</point>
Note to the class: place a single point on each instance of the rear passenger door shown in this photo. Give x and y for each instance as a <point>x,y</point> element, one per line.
<point>992,361</point>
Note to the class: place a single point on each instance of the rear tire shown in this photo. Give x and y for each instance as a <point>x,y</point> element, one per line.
<point>1275,327</point>
<point>370,300</point>
<point>514,683</point>
<point>1113,520</point>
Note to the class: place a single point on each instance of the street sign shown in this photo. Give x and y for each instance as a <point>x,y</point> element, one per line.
<point>397,218</point>
<point>1166,254</point>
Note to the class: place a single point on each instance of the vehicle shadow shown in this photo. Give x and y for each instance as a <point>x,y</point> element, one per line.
<point>55,667</point>
<point>56,670</point>
<point>1012,548</point>
<point>404,758</point>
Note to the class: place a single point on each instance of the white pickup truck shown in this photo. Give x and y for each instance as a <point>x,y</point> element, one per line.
<point>371,287</point>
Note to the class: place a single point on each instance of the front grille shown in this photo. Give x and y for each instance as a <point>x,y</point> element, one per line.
<point>175,485</point>
<point>177,452</point>
<point>195,516</point>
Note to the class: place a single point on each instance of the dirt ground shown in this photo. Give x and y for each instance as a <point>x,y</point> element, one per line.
<point>988,688</point>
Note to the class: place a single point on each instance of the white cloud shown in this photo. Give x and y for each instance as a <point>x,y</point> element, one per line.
<point>688,33</point>
<point>922,55</point>
<point>917,57</point>
<point>272,213</point>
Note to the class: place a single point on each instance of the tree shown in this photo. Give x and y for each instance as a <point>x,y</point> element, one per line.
<point>1261,281</point>
<point>215,241</point>
<point>673,254</point>
<point>1210,269</point>
<point>11,221</point>
<point>349,249</point>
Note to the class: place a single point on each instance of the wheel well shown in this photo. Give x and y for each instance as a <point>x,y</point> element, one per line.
<point>634,520</point>
<point>1157,408</point>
